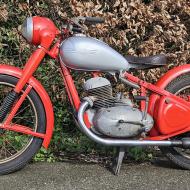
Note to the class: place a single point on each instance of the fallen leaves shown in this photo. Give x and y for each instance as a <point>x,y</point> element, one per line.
<point>3,13</point>
<point>135,27</point>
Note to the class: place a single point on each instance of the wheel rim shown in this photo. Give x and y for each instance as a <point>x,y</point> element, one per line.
<point>13,144</point>
<point>185,94</point>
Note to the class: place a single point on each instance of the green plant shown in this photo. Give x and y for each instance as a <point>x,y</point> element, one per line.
<point>133,27</point>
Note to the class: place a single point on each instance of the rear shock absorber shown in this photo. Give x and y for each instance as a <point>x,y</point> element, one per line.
<point>7,104</point>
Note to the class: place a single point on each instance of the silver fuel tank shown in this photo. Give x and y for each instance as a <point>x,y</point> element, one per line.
<point>90,54</point>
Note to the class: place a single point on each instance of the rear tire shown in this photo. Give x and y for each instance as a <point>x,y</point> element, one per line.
<point>21,160</point>
<point>175,154</point>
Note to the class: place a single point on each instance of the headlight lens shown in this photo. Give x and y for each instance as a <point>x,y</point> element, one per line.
<point>27,29</point>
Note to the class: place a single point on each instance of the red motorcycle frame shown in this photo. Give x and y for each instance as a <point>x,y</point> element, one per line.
<point>45,34</point>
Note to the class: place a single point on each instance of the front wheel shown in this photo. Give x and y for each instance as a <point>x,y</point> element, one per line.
<point>179,156</point>
<point>17,149</point>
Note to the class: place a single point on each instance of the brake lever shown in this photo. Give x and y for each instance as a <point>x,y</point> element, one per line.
<point>76,21</point>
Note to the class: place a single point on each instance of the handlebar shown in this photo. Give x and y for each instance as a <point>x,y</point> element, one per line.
<point>75,24</point>
<point>76,29</point>
<point>94,20</point>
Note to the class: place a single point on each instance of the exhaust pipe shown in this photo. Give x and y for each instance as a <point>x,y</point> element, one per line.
<point>120,142</point>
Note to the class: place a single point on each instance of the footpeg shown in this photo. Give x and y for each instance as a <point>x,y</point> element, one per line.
<point>117,161</point>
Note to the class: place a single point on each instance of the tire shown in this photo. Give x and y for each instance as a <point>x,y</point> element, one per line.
<point>173,154</point>
<point>22,159</point>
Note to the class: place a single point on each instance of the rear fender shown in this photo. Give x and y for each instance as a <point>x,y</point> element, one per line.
<point>16,72</point>
<point>162,83</point>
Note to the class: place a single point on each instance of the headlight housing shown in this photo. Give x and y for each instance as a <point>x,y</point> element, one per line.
<point>39,31</point>
<point>27,29</point>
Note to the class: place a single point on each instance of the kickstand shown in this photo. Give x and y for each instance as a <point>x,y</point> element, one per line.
<point>118,159</point>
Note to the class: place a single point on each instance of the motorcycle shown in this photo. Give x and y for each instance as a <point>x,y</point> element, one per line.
<point>162,117</point>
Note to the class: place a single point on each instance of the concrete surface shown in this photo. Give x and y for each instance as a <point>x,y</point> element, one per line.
<point>53,176</point>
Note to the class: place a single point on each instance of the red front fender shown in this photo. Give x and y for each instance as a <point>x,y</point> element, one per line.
<point>16,72</point>
<point>162,83</point>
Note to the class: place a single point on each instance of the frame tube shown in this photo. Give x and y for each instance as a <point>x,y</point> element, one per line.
<point>30,68</point>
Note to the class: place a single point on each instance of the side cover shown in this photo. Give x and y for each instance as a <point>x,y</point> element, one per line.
<point>171,116</point>
<point>15,72</point>
<point>166,122</point>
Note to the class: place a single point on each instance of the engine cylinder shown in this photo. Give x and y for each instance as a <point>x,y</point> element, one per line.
<point>100,90</point>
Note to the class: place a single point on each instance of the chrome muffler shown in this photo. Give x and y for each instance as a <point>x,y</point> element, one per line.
<point>121,142</point>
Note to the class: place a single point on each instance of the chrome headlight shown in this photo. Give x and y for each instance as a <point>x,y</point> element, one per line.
<point>27,29</point>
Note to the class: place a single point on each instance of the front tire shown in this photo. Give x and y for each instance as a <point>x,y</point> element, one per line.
<point>179,156</point>
<point>28,146</point>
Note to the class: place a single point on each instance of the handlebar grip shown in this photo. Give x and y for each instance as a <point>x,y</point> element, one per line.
<point>94,20</point>
<point>76,29</point>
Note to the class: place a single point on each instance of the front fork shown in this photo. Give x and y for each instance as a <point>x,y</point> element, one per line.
<point>30,67</point>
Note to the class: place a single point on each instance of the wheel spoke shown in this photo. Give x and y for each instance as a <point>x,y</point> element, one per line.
<point>10,145</point>
<point>22,110</point>
<point>21,119</point>
<point>13,143</point>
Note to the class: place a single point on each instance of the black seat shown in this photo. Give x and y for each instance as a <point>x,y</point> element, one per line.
<point>146,62</point>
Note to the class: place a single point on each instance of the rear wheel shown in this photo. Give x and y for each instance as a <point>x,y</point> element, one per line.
<point>17,149</point>
<point>179,156</point>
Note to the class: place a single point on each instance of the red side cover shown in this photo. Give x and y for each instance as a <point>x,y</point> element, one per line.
<point>155,99</point>
<point>172,116</point>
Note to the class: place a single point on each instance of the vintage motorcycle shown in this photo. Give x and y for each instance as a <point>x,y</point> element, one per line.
<point>26,114</point>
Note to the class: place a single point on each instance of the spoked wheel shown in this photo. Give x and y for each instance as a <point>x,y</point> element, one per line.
<point>17,149</point>
<point>179,156</point>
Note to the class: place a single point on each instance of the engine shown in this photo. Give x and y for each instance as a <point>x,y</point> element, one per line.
<point>114,116</point>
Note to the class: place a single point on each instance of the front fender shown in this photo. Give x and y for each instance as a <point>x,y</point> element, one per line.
<point>16,72</point>
<point>162,83</point>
